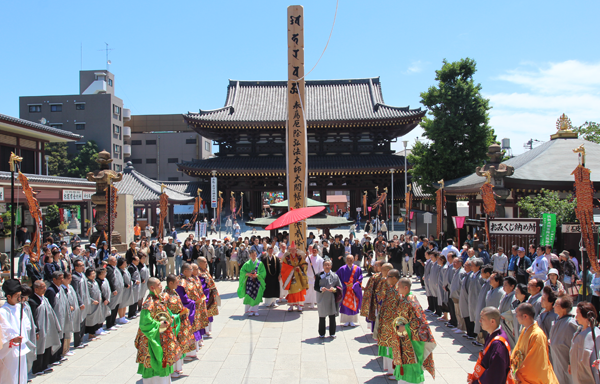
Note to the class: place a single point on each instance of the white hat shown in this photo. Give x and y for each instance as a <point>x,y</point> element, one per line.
<point>553,270</point>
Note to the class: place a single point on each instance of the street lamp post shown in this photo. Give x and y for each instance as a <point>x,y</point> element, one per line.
<point>407,217</point>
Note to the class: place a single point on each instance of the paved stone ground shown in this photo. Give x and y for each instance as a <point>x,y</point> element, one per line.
<point>275,347</point>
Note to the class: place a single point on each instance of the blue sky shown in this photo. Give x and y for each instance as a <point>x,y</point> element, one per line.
<point>536,59</point>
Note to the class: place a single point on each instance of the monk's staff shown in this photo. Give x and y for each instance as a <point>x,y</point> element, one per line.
<point>592,322</point>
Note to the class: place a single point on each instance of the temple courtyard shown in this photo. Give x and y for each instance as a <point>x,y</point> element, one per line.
<point>275,347</point>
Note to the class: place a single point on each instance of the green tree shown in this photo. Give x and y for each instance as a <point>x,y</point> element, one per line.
<point>58,162</point>
<point>85,160</point>
<point>549,202</point>
<point>589,131</point>
<point>456,128</point>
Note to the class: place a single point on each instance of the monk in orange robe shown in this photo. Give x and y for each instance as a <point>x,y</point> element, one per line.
<point>529,361</point>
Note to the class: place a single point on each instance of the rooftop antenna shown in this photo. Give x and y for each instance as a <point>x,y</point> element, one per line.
<point>107,49</point>
<point>529,145</point>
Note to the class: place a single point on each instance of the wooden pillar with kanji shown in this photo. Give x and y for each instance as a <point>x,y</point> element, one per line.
<point>296,149</point>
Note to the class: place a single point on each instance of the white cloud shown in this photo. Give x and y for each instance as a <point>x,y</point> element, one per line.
<point>415,67</point>
<point>541,95</point>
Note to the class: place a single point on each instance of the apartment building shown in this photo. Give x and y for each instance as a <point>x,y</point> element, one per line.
<point>95,114</point>
<point>156,143</point>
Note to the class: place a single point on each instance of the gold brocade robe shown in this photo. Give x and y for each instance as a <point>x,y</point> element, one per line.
<point>185,337</point>
<point>213,308</point>
<point>393,306</point>
<point>193,289</point>
<point>369,303</point>
<point>168,340</point>
<point>300,280</point>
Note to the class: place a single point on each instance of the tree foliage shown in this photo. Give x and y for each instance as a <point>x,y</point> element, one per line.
<point>58,162</point>
<point>456,127</point>
<point>589,131</point>
<point>549,202</point>
<point>85,161</point>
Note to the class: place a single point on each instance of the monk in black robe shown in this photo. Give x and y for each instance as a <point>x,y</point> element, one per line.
<point>273,267</point>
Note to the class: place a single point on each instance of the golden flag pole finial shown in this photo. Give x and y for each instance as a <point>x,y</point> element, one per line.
<point>442,183</point>
<point>199,191</point>
<point>12,160</point>
<point>162,188</point>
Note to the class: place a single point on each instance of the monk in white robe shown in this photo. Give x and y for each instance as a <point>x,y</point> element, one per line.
<point>15,327</point>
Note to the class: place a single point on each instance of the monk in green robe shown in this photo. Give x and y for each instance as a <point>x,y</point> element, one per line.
<point>252,284</point>
<point>156,341</point>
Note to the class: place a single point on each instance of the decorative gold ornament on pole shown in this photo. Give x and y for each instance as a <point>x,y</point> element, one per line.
<point>296,156</point>
<point>13,222</point>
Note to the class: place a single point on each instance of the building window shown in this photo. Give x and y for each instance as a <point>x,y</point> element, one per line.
<point>206,146</point>
<point>79,146</point>
<point>80,126</point>
<point>173,179</point>
<point>56,108</point>
<point>35,108</point>
<point>110,82</point>
<point>80,107</point>
<point>116,148</point>
<point>57,125</point>
<point>116,109</point>
<point>116,129</point>
<point>28,163</point>
<point>136,142</point>
<point>172,160</point>
<point>150,142</point>
<point>118,167</point>
<point>190,141</point>
<point>150,161</point>
<point>136,161</point>
<point>100,77</point>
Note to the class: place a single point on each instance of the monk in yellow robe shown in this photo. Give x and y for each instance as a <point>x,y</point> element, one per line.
<point>295,279</point>
<point>529,361</point>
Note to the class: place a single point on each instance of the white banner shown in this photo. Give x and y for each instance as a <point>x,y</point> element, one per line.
<point>213,192</point>
<point>72,195</point>
<point>1,193</point>
<point>513,227</point>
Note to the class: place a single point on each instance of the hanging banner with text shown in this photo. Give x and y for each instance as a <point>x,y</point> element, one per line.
<point>296,156</point>
<point>548,228</point>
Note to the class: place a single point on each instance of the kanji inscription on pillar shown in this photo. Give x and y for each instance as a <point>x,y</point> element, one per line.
<point>296,149</point>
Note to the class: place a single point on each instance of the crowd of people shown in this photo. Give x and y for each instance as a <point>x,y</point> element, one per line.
<point>518,308</point>
<point>64,300</point>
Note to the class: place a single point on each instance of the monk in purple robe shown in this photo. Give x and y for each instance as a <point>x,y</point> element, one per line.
<point>351,277</point>
<point>493,365</point>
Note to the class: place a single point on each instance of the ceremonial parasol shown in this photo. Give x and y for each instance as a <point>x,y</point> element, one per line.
<point>294,216</point>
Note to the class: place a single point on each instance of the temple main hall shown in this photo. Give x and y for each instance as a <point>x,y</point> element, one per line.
<point>350,131</point>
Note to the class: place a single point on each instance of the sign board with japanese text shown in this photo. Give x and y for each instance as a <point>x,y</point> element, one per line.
<point>514,226</point>
<point>1,193</point>
<point>72,195</point>
<point>296,156</point>
<point>214,195</point>
<point>575,228</point>
<point>87,195</point>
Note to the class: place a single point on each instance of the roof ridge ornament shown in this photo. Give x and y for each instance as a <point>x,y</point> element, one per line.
<point>564,129</point>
